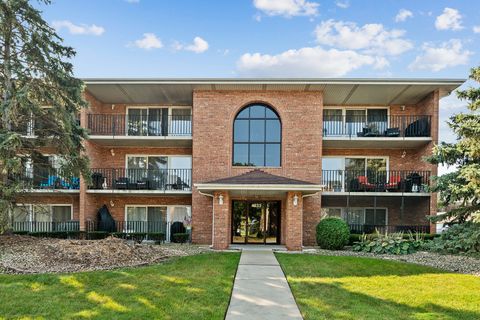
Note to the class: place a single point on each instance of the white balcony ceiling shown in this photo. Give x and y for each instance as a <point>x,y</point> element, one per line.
<point>382,92</point>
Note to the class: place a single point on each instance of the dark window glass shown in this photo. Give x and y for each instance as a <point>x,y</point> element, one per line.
<point>257,137</point>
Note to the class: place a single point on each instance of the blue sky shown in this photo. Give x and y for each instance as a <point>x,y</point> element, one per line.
<point>272,38</point>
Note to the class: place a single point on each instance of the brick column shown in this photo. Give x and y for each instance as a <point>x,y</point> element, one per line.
<point>294,222</point>
<point>221,221</point>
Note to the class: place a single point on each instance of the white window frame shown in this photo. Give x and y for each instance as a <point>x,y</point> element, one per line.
<point>364,108</point>
<point>32,216</point>
<point>168,156</point>
<point>386,158</point>
<point>168,217</point>
<point>364,209</point>
<point>153,107</point>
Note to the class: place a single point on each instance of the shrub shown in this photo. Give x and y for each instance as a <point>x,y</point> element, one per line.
<point>158,237</point>
<point>459,238</point>
<point>21,233</point>
<point>394,243</point>
<point>97,235</point>
<point>180,237</point>
<point>134,236</point>
<point>332,233</point>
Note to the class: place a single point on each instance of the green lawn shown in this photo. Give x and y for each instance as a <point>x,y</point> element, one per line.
<point>195,287</point>
<point>363,288</point>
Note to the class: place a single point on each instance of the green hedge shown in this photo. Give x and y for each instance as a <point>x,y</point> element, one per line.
<point>180,237</point>
<point>356,237</point>
<point>394,243</point>
<point>332,233</point>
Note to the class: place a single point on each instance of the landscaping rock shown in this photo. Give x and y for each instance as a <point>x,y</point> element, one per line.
<point>449,262</point>
<point>26,254</point>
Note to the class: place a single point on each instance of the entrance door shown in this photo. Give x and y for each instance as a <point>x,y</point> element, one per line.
<point>256,222</point>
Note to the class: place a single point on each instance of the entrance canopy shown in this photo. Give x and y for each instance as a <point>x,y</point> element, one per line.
<point>258,182</point>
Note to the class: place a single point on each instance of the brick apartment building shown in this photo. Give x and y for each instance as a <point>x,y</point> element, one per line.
<point>247,160</point>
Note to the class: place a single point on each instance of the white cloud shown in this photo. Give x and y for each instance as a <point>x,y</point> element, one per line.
<point>148,42</point>
<point>199,45</point>
<point>78,28</point>
<point>448,54</point>
<point>342,4</point>
<point>476,29</point>
<point>370,38</point>
<point>287,8</point>
<point>305,62</point>
<point>403,15</point>
<point>450,19</point>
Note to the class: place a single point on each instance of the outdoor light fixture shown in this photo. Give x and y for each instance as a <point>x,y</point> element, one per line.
<point>295,200</point>
<point>403,108</point>
<point>220,199</point>
<point>112,152</point>
<point>112,204</point>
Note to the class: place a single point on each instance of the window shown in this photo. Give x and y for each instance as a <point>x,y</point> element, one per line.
<point>43,217</point>
<point>369,122</point>
<point>154,218</point>
<point>359,216</point>
<point>257,137</point>
<point>159,121</point>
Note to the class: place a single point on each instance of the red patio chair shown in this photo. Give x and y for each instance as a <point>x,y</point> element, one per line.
<point>364,184</point>
<point>393,183</point>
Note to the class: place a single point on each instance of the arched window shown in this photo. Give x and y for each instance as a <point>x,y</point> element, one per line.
<point>257,137</point>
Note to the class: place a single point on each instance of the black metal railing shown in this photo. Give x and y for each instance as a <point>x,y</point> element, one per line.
<point>141,179</point>
<point>375,180</point>
<point>386,126</point>
<point>46,177</point>
<point>46,226</point>
<point>134,125</point>
<point>370,228</point>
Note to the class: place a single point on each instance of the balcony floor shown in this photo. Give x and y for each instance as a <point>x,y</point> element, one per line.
<point>371,194</point>
<point>141,192</point>
<point>142,141</point>
<point>375,142</point>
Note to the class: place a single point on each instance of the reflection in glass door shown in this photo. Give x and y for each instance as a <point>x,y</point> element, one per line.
<point>256,222</point>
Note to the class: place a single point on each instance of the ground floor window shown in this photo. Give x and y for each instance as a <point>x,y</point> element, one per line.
<point>140,218</point>
<point>43,217</point>
<point>359,216</point>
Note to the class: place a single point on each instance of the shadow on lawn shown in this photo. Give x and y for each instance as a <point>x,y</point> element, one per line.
<point>329,287</point>
<point>184,288</point>
<point>340,303</point>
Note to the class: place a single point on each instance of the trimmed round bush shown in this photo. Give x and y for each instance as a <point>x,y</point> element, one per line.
<point>332,233</point>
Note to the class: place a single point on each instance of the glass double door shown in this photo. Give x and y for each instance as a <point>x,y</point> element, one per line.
<point>256,222</point>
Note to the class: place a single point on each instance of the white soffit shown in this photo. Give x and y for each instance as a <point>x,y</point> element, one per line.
<point>336,91</point>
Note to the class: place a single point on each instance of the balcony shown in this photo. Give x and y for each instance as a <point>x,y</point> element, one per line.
<point>371,182</point>
<point>133,130</point>
<point>141,181</point>
<point>44,179</point>
<point>394,131</point>
<point>46,226</point>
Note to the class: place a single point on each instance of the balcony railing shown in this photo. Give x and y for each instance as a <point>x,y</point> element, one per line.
<point>371,228</point>
<point>46,226</point>
<point>46,177</point>
<point>387,126</point>
<point>129,125</point>
<point>141,179</point>
<point>375,181</point>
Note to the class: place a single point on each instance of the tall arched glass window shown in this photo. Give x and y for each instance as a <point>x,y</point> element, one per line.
<point>257,137</point>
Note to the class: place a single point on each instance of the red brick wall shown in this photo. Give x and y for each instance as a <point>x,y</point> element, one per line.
<point>213,116</point>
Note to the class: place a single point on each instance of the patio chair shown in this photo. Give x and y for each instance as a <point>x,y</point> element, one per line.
<point>143,184</point>
<point>364,184</point>
<point>393,183</point>
<point>122,183</point>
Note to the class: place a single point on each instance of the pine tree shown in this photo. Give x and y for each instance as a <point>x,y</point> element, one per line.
<point>460,190</point>
<point>35,72</point>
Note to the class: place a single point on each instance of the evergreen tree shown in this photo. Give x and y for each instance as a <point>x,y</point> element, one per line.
<point>460,190</point>
<point>35,72</point>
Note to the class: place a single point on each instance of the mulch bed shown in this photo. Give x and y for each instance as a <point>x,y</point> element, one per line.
<point>26,254</point>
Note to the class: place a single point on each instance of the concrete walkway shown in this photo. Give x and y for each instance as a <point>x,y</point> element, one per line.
<point>261,290</point>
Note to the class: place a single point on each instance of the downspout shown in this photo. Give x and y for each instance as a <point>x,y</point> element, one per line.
<point>213,213</point>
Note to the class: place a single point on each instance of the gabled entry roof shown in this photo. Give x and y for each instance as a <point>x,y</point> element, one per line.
<point>259,180</point>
